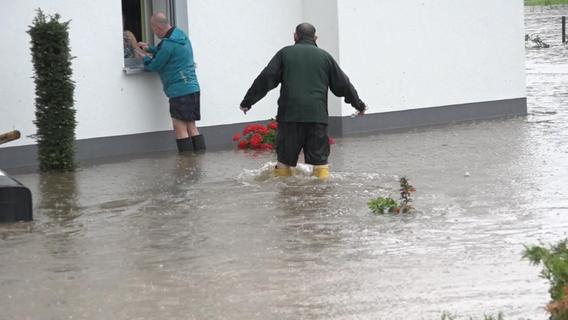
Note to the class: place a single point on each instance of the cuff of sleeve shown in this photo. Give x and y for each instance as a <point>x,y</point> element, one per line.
<point>360,105</point>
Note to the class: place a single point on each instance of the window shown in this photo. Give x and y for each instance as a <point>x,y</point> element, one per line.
<point>136,26</point>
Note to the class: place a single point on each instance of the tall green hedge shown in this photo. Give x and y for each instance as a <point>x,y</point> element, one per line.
<point>55,115</point>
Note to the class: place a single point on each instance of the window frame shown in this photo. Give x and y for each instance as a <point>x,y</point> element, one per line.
<point>147,9</point>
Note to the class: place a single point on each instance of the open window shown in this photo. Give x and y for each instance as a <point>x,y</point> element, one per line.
<point>136,26</point>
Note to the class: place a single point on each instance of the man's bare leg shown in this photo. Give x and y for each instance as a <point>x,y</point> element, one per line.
<point>183,139</point>
<point>191,128</point>
<point>180,128</point>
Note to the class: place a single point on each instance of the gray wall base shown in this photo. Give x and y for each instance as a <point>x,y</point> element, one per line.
<point>340,126</point>
<point>219,137</point>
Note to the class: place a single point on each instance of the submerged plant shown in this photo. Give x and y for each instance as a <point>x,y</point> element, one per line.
<point>535,42</point>
<point>555,270</point>
<point>406,191</point>
<point>448,316</point>
<point>383,205</point>
<point>489,317</point>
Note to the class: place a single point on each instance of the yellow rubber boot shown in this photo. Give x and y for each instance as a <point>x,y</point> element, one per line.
<point>283,172</point>
<point>321,172</point>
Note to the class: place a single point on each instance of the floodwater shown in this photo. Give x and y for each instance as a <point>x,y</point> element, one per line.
<point>213,236</point>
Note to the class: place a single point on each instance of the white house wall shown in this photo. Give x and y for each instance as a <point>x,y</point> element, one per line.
<point>108,103</point>
<point>233,41</point>
<point>408,54</point>
<point>401,55</point>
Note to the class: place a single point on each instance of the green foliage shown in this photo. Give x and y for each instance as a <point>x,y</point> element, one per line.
<point>382,205</point>
<point>270,138</point>
<point>544,2</point>
<point>555,263</point>
<point>405,195</point>
<point>489,317</point>
<point>448,316</point>
<point>55,115</point>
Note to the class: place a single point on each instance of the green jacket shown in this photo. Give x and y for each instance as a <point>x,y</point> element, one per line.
<point>305,73</point>
<point>173,60</point>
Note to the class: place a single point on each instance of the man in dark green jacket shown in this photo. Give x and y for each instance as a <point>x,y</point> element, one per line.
<point>172,58</point>
<point>305,73</point>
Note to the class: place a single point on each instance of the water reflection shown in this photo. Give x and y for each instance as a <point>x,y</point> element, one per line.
<point>58,196</point>
<point>58,202</point>
<point>307,204</point>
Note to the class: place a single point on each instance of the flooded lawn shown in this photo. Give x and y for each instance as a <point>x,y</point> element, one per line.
<point>213,236</point>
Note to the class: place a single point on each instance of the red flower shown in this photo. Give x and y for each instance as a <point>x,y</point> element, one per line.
<point>330,140</point>
<point>254,136</point>
<point>261,130</point>
<point>266,146</point>
<point>255,141</point>
<point>248,129</point>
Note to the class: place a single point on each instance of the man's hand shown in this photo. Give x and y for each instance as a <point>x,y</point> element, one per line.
<point>244,110</point>
<point>139,53</point>
<point>143,45</point>
<point>361,113</point>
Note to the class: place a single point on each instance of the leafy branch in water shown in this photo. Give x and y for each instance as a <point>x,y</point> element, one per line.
<point>382,205</point>
<point>448,316</point>
<point>555,270</point>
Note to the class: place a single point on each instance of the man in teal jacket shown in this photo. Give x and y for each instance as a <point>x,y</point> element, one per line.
<point>172,58</point>
<point>305,73</point>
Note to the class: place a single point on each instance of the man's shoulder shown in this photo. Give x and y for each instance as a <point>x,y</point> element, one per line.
<point>314,49</point>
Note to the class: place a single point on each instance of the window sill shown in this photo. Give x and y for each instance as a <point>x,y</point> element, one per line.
<point>132,70</point>
<point>133,66</point>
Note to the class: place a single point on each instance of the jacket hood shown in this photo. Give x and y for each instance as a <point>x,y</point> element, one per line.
<point>177,36</point>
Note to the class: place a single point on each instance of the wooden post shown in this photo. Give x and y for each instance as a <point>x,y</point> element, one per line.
<point>9,136</point>
<point>563,29</point>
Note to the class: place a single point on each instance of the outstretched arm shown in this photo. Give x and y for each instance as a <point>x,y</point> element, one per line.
<point>160,59</point>
<point>340,85</point>
<point>268,79</point>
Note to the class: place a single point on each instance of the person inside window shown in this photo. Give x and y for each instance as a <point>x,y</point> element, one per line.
<point>129,41</point>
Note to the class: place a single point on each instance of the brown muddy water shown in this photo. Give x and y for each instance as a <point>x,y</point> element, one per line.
<point>213,236</point>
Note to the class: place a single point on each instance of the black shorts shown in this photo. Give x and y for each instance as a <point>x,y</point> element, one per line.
<point>294,136</point>
<point>186,108</point>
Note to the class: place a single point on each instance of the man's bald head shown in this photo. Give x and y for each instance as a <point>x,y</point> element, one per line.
<point>305,31</point>
<point>160,24</point>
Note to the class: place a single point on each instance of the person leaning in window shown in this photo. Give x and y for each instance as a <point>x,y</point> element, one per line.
<point>129,43</point>
<point>172,58</point>
<point>128,40</point>
<point>305,73</point>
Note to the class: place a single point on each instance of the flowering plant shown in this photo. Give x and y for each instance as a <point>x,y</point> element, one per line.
<point>383,205</point>
<point>257,136</point>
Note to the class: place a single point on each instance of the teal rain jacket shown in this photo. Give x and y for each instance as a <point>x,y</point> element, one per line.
<point>173,60</point>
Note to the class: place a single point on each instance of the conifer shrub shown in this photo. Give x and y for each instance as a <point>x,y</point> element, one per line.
<point>55,115</point>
